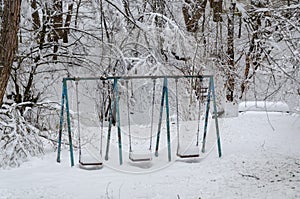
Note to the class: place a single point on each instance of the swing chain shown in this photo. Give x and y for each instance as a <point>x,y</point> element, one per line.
<point>177,114</point>
<point>128,115</point>
<point>152,113</point>
<point>78,120</point>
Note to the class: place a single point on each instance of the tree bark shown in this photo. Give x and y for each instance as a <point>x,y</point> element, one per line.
<point>8,41</point>
<point>35,15</point>
<point>216,5</point>
<point>67,23</point>
<point>230,52</point>
<point>192,12</point>
<point>58,19</point>
<point>57,32</point>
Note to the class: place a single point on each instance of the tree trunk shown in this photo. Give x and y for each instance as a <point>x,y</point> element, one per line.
<point>58,19</point>
<point>35,15</point>
<point>217,6</point>
<point>192,12</point>
<point>57,32</point>
<point>230,52</point>
<point>8,41</point>
<point>67,23</point>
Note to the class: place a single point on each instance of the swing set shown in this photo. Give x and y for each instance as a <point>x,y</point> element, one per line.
<point>138,157</point>
<point>115,118</point>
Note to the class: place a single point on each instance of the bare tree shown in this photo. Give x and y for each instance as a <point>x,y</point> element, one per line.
<point>8,41</point>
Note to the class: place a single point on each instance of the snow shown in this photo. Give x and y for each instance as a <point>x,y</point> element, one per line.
<point>260,160</point>
<point>264,106</point>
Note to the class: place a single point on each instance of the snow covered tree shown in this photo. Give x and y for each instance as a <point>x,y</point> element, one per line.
<point>19,139</point>
<point>271,56</point>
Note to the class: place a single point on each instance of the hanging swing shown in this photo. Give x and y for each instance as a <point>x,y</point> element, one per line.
<point>97,164</point>
<point>190,151</point>
<point>136,156</point>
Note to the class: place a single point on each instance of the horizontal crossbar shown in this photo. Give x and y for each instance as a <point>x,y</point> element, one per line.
<point>136,77</point>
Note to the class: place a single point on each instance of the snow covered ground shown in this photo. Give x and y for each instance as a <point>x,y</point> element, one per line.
<point>261,159</point>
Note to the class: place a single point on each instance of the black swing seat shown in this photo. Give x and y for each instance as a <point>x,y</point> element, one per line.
<point>188,155</point>
<point>140,156</point>
<point>89,162</point>
<point>90,165</point>
<point>188,152</point>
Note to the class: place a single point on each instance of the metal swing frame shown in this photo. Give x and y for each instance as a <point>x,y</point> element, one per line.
<point>82,164</point>
<point>194,155</point>
<point>202,91</point>
<point>131,156</point>
<point>115,104</point>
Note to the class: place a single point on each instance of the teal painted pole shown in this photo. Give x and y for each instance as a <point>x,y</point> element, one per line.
<point>216,116</point>
<point>109,132</point>
<point>61,122</point>
<point>69,123</point>
<point>199,112</point>
<point>168,118</point>
<point>160,119</point>
<point>206,118</point>
<point>116,102</point>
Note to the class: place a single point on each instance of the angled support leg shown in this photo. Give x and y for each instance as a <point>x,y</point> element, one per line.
<point>108,133</point>
<point>160,120</point>
<point>65,100</point>
<point>69,124</point>
<point>164,95</point>
<point>216,116</point>
<point>116,103</point>
<point>167,118</point>
<point>206,117</point>
<point>61,122</point>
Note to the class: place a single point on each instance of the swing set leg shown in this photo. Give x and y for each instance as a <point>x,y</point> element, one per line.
<point>108,134</point>
<point>216,117</point>
<point>60,125</point>
<point>159,122</point>
<point>206,118</point>
<point>211,91</point>
<point>164,94</point>
<point>116,104</point>
<point>65,100</point>
<point>168,121</point>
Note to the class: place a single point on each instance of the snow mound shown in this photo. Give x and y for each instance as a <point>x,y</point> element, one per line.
<point>263,106</point>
